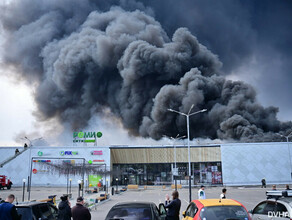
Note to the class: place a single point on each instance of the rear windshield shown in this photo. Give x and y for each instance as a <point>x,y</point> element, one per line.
<point>25,213</point>
<point>223,213</point>
<point>130,213</point>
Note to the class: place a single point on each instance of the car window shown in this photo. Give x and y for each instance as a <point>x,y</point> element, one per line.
<point>188,211</point>
<point>36,212</point>
<point>25,213</point>
<point>156,211</point>
<point>259,209</point>
<point>45,211</point>
<point>270,207</point>
<point>223,212</point>
<point>53,210</point>
<point>281,210</point>
<point>192,210</point>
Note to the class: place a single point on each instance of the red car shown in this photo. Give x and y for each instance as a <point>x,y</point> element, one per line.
<point>216,209</point>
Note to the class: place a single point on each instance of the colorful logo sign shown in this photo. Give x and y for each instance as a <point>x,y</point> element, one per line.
<point>42,161</point>
<point>34,171</point>
<point>40,153</point>
<point>95,161</point>
<point>67,153</point>
<point>87,137</point>
<point>96,152</point>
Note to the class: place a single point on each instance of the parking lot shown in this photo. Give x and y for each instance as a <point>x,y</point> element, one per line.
<point>249,196</point>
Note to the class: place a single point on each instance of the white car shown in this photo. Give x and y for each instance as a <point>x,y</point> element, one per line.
<point>277,206</point>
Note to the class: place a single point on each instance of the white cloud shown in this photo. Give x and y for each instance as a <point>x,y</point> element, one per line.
<point>16,109</point>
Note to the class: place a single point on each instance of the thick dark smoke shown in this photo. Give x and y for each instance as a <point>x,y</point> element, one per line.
<point>86,56</point>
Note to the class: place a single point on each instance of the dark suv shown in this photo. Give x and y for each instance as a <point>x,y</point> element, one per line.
<point>136,210</point>
<point>37,211</point>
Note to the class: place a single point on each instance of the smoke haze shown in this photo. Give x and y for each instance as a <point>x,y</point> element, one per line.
<point>88,56</point>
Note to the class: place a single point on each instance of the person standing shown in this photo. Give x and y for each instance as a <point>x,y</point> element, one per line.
<point>79,212</point>
<point>263,183</point>
<point>223,195</point>
<point>274,187</point>
<point>64,207</point>
<point>201,193</point>
<point>173,207</point>
<point>8,210</point>
<point>287,187</point>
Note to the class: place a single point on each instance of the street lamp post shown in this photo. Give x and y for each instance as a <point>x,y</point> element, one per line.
<point>79,187</point>
<point>117,185</point>
<point>23,189</point>
<point>175,168</point>
<point>86,185</point>
<point>287,137</point>
<point>70,181</point>
<point>106,186</point>
<point>188,131</point>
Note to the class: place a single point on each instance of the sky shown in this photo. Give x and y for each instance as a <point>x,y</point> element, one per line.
<point>251,39</point>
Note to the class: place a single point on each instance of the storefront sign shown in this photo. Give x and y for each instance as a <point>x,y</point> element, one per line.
<point>87,137</point>
<point>42,161</point>
<point>67,153</point>
<point>95,161</point>
<point>96,152</point>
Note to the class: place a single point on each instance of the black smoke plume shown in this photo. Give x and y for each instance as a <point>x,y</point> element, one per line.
<point>87,56</point>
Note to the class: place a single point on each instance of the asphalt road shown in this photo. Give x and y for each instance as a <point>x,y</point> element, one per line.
<point>248,196</point>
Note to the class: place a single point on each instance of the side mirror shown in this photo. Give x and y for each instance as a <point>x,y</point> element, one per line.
<point>162,210</point>
<point>184,214</point>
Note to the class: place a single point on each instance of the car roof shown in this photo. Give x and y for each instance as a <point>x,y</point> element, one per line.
<point>283,199</point>
<point>218,202</point>
<point>29,204</point>
<point>130,204</point>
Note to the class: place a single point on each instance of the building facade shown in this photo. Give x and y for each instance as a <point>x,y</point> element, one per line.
<point>227,164</point>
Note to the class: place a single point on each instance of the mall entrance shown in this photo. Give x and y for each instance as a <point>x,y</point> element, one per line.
<point>162,174</point>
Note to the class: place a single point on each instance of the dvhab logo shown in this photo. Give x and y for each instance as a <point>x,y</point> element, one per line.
<point>278,214</point>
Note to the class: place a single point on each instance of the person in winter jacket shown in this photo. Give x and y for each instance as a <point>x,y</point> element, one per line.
<point>8,210</point>
<point>79,212</point>
<point>173,207</point>
<point>64,212</point>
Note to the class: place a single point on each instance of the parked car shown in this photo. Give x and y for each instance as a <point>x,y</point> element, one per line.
<point>277,206</point>
<point>37,211</point>
<point>216,209</point>
<point>137,211</point>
